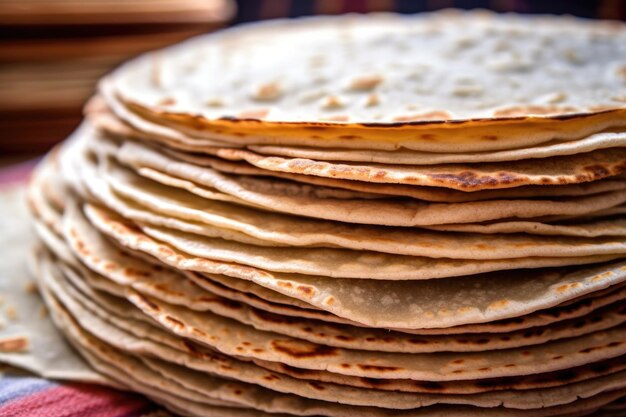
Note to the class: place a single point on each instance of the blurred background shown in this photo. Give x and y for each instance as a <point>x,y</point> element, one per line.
<point>53,51</point>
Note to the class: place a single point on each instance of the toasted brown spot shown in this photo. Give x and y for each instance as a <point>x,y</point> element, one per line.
<point>253,114</point>
<point>499,304</point>
<point>465,179</point>
<point>199,332</point>
<point>597,171</point>
<point>30,287</point>
<point>14,344</point>
<point>301,349</point>
<point>165,251</point>
<point>374,382</point>
<point>429,116</point>
<point>333,102</point>
<point>378,368</point>
<point>136,273</point>
<point>150,304</point>
<point>317,386</point>
<point>372,100</point>
<point>365,82</point>
<point>293,370</point>
<point>306,289</point>
<point>533,109</point>
<point>602,276</point>
<point>174,321</point>
<point>167,101</point>
<point>268,92</point>
<point>430,386</point>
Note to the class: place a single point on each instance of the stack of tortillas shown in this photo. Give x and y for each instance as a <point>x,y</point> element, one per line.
<point>352,216</point>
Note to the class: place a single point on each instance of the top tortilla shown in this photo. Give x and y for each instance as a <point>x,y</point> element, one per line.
<point>388,79</point>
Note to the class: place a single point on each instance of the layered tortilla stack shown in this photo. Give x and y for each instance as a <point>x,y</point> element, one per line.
<point>352,216</point>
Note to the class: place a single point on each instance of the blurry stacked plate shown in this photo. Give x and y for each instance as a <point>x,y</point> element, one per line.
<point>352,216</point>
<point>53,52</point>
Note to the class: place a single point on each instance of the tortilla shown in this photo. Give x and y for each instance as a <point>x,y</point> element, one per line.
<point>211,383</point>
<point>113,126</point>
<point>269,108</point>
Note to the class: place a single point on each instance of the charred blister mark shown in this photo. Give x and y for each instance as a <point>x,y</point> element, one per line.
<point>378,368</point>
<point>316,386</point>
<point>300,349</point>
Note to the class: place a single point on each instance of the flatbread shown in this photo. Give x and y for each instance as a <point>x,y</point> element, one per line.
<point>596,141</point>
<point>145,281</point>
<point>172,288</point>
<point>65,320</point>
<point>113,126</point>
<point>342,238</point>
<point>591,229</point>
<point>237,289</point>
<point>289,198</point>
<point>267,107</point>
<point>328,293</point>
<point>211,384</point>
<point>169,286</point>
<point>571,169</point>
<point>191,214</point>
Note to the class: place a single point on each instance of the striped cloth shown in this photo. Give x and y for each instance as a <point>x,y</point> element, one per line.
<point>22,396</point>
<point>18,173</point>
<point>26,396</point>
